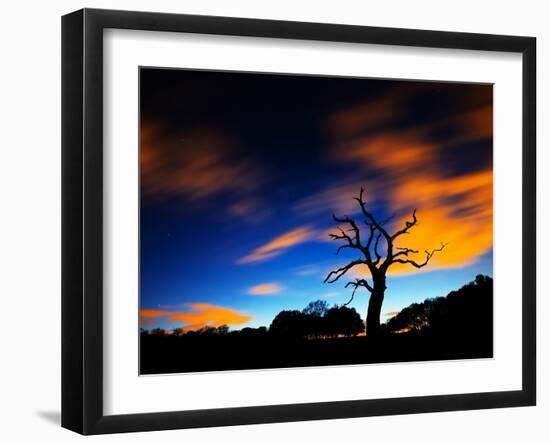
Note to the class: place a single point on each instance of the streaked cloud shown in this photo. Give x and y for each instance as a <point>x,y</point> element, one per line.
<point>198,316</point>
<point>243,207</point>
<point>307,270</point>
<point>195,164</point>
<point>365,116</point>
<point>279,245</point>
<point>153,313</point>
<point>265,289</point>
<point>200,165</point>
<point>249,209</point>
<point>392,313</point>
<point>422,147</point>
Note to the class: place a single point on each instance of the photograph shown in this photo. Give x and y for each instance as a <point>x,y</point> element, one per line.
<point>291,220</point>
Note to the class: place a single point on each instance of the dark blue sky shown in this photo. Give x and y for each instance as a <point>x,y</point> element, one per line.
<point>241,173</point>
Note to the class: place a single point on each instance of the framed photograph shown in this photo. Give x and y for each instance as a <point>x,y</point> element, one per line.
<point>269,221</point>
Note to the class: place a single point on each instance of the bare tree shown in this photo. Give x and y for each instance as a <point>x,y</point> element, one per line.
<point>377,262</point>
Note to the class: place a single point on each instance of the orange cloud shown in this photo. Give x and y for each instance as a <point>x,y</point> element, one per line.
<point>153,313</point>
<point>201,315</point>
<point>396,151</point>
<point>474,124</point>
<point>278,245</point>
<point>378,112</point>
<point>458,211</point>
<point>393,152</point>
<point>265,289</point>
<point>392,313</point>
<point>205,314</point>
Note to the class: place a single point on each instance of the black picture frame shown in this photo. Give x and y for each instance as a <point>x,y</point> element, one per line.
<point>82,218</point>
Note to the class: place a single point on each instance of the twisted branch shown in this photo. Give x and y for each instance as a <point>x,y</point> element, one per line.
<point>404,251</point>
<point>336,274</point>
<point>369,216</point>
<point>408,226</point>
<point>429,255</point>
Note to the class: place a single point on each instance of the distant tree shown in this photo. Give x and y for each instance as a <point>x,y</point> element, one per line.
<point>176,332</point>
<point>317,308</point>
<point>157,331</point>
<point>288,324</point>
<point>314,325</point>
<point>211,331</point>
<point>377,262</point>
<point>205,331</point>
<point>222,330</point>
<point>341,320</point>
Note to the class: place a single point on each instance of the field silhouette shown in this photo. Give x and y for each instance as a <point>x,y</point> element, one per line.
<point>457,326</point>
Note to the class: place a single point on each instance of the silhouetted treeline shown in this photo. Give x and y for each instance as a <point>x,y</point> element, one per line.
<point>468,311</point>
<point>316,320</point>
<point>457,326</point>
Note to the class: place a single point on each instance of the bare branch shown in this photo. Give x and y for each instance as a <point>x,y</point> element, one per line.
<point>429,255</point>
<point>352,295</point>
<point>369,216</point>
<point>343,236</point>
<point>357,243</point>
<point>335,275</point>
<point>372,230</point>
<point>358,282</point>
<point>378,257</point>
<point>342,247</point>
<point>405,252</point>
<point>408,225</point>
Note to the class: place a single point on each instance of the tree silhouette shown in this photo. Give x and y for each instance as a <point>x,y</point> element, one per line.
<point>288,324</point>
<point>341,320</point>
<point>317,308</point>
<point>378,263</point>
<point>313,318</point>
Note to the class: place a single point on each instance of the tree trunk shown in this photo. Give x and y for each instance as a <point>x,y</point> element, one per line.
<point>375,306</point>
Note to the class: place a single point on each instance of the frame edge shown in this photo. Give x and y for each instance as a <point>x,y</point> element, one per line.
<point>72,117</point>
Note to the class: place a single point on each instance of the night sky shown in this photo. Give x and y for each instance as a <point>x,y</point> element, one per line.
<point>240,173</point>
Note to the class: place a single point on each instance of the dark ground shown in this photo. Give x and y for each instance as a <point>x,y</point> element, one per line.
<point>169,354</point>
